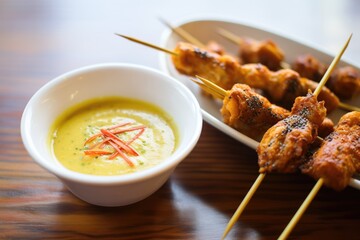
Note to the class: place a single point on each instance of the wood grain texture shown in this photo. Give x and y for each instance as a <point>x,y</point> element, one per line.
<point>40,40</point>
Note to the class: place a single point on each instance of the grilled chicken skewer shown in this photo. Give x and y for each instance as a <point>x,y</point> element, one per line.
<point>252,51</point>
<point>244,109</point>
<point>344,82</point>
<point>343,145</point>
<point>319,174</point>
<point>334,163</point>
<point>284,145</point>
<point>338,158</point>
<point>249,112</point>
<point>282,87</point>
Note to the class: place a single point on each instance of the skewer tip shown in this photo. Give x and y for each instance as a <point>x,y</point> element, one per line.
<point>331,67</point>
<point>230,36</point>
<point>120,35</point>
<point>124,36</point>
<point>166,23</point>
<point>148,44</point>
<point>182,33</point>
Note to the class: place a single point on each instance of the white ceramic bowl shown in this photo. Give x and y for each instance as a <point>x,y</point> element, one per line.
<point>124,80</point>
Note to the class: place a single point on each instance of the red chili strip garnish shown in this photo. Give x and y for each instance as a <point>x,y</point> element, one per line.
<point>108,136</point>
<point>118,125</point>
<point>96,152</point>
<point>119,142</point>
<point>93,137</point>
<point>114,155</point>
<point>128,129</point>
<point>128,160</point>
<point>99,144</point>
<point>102,144</point>
<point>136,136</point>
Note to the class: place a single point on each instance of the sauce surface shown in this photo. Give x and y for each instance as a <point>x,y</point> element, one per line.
<point>76,125</point>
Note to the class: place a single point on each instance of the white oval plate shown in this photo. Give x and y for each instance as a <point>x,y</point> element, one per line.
<point>205,30</point>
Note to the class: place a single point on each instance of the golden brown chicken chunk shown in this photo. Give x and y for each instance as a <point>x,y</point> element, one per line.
<point>283,146</point>
<point>309,67</point>
<point>326,127</point>
<point>215,47</point>
<point>338,158</point>
<point>265,52</point>
<point>345,82</point>
<point>221,70</point>
<point>249,112</point>
<point>255,75</point>
<point>331,100</point>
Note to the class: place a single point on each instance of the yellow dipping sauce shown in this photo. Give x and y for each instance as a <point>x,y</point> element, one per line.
<point>77,124</point>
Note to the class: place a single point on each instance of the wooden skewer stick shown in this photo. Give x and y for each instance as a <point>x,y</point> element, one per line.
<point>348,107</point>
<point>319,183</point>
<point>147,44</point>
<point>230,36</point>
<point>212,86</point>
<point>237,40</point>
<point>301,210</point>
<point>216,90</point>
<point>243,204</point>
<point>208,88</point>
<point>184,34</point>
<point>331,67</point>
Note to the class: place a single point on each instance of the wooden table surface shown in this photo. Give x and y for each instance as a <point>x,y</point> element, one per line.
<point>40,40</point>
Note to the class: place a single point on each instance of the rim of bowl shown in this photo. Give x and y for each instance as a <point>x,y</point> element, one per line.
<point>63,173</point>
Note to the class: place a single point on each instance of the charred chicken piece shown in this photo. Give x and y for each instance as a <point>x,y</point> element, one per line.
<point>191,60</point>
<point>338,158</point>
<point>249,112</point>
<point>252,114</point>
<point>283,146</point>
